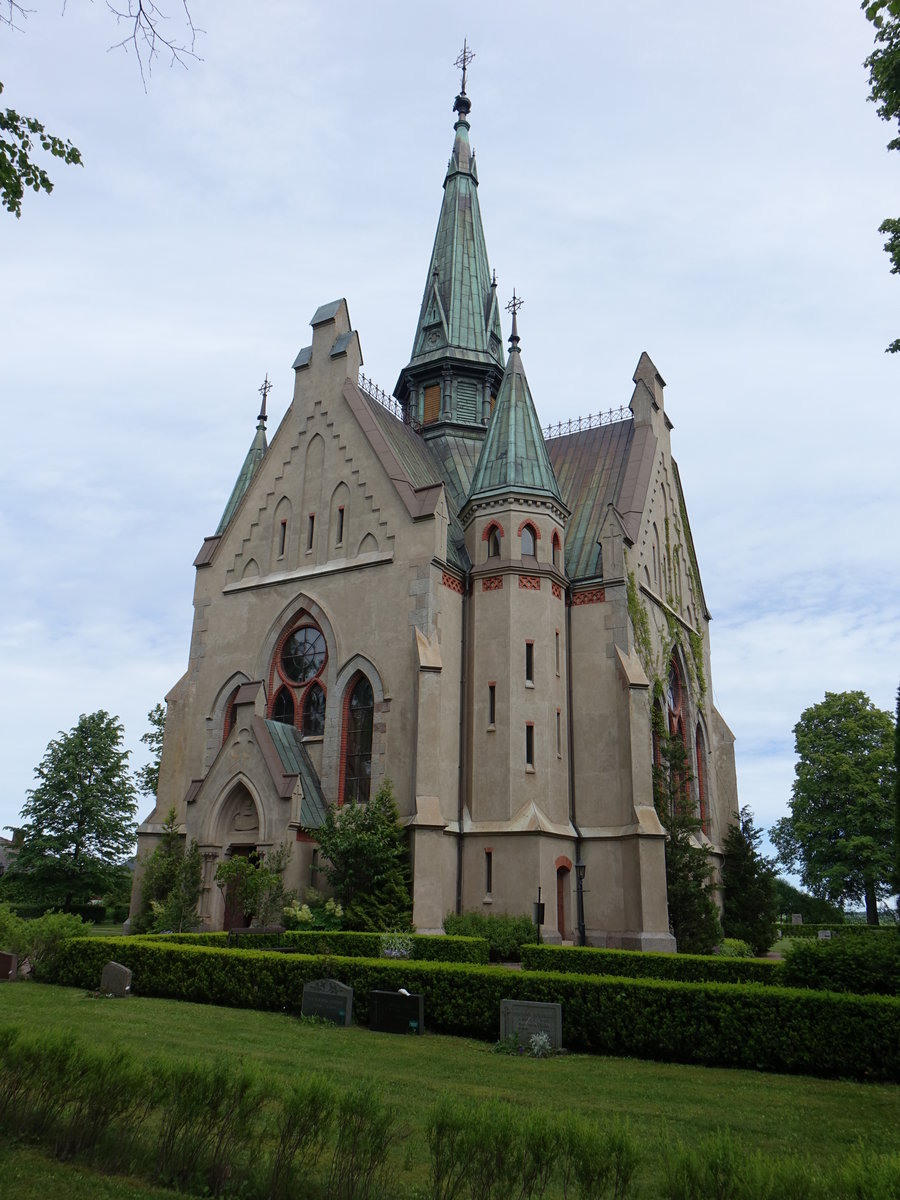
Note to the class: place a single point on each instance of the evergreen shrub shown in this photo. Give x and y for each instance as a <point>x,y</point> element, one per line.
<point>505,934</point>
<point>865,966</point>
<point>632,964</point>
<point>838,929</point>
<point>347,943</point>
<point>714,1024</point>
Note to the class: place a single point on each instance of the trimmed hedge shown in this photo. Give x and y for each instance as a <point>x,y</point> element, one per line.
<point>505,933</point>
<point>865,966</point>
<point>347,944</point>
<point>712,1024</point>
<point>631,964</point>
<point>837,928</point>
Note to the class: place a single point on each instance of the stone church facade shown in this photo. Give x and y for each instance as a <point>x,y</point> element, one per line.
<point>428,589</point>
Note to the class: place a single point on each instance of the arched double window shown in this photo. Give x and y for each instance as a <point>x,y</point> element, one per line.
<point>299,661</point>
<point>359,710</point>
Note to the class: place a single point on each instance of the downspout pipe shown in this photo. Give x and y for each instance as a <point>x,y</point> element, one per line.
<point>570,723</point>
<point>463,742</point>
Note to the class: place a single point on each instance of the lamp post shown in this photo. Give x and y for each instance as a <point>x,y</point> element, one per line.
<point>579,885</point>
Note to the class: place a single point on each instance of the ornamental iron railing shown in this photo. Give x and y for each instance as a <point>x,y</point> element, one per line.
<point>591,421</point>
<point>386,400</point>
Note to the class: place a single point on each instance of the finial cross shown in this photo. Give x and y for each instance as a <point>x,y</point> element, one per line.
<point>264,392</point>
<point>465,57</point>
<point>515,304</point>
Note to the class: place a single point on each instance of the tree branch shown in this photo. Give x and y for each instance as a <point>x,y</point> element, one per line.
<point>145,20</point>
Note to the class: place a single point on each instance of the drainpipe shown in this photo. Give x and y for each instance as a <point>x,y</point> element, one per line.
<point>570,722</point>
<point>463,743</point>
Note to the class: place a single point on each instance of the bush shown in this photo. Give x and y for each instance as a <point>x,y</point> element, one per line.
<point>504,933</point>
<point>866,966</point>
<point>838,929</point>
<point>714,1024</point>
<point>632,964</point>
<point>731,947</point>
<point>350,944</point>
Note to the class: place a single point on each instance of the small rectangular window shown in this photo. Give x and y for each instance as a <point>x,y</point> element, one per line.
<point>558,734</point>
<point>488,872</point>
<point>310,531</point>
<point>529,746</point>
<point>340,526</point>
<point>529,662</point>
<point>282,538</point>
<point>492,704</point>
<point>557,651</point>
<point>432,410</point>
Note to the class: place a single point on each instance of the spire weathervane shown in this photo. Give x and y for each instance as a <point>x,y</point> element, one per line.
<point>264,392</point>
<point>462,104</point>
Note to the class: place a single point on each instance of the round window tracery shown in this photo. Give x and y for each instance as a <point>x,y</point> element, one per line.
<point>303,655</point>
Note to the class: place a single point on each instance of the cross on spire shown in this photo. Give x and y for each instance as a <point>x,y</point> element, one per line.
<point>465,57</point>
<point>264,392</point>
<point>513,307</point>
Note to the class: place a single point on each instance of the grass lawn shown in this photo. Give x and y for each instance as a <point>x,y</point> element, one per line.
<point>818,1119</point>
<point>105,929</point>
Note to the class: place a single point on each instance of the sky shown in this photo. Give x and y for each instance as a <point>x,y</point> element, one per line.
<point>701,181</point>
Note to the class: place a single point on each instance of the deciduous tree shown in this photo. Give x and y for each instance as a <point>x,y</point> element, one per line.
<point>78,822</point>
<point>840,833</point>
<point>748,882</point>
<point>148,775</point>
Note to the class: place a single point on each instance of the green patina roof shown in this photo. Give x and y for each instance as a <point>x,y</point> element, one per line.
<point>459,308</point>
<point>589,466</point>
<point>514,456</point>
<point>255,455</point>
<point>295,761</point>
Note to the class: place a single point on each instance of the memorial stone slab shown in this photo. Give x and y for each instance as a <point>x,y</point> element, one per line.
<point>525,1017</point>
<point>329,999</point>
<point>115,980</point>
<point>796,918</point>
<point>824,935</point>
<point>397,1012</point>
<point>9,966</point>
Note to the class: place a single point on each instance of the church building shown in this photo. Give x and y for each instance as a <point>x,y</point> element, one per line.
<point>430,589</point>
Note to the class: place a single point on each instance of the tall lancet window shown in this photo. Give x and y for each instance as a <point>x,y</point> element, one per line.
<point>358,713</point>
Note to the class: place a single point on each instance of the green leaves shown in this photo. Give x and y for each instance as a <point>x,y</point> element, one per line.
<point>19,138</point>
<point>884,79</point>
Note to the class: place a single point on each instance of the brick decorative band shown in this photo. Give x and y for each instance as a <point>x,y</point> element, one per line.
<point>557,591</point>
<point>531,583</point>
<point>492,583</point>
<point>451,582</point>
<point>594,596</point>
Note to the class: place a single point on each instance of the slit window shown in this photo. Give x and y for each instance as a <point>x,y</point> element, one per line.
<point>557,651</point>
<point>340,526</point>
<point>529,746</point>
<point>492,704</point>
<point>558,734</point>
<point>488,871</point>
<point>529,662</point>
<point>310,530</point>
<point>282,538</point>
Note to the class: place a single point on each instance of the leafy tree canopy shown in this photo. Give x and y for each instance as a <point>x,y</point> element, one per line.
<point>790,900</point>
<point>840,833</point>
<point>366,862</point>
<point>148,775</point>
<point>884,79</point>
<point>748,881</point>
<point>20,139</point>
<point>78,822</point>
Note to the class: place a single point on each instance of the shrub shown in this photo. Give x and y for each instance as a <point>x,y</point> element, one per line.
<point>367,1128</point>
<point>302,1126</point>
<point>43,939</point>
<point>734,948</point>
<point>597,1159</point>
<point>865,966</point>
<point>425,947</point>
<point>840,928</point>
<point>504,933</point>
<point>688,968</point>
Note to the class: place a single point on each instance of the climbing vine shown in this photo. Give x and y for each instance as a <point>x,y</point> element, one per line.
<point>640,623</point>
<point>696,640</point>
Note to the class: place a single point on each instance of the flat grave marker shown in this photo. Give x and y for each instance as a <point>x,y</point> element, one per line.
<point>525,1017</point>
<point>329,999</point>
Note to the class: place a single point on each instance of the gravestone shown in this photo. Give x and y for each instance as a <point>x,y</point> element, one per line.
<point>396,1012</point>
<point>115,980</point>
<point>9,966</point>
<point>525,1017</point>
<point>329,999</point>
<point>796,918</point>
<point>824,935</point>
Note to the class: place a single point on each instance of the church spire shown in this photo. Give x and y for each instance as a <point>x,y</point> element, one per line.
<point>255,455</point>
<point>457,353</point>
<point>514,455</point>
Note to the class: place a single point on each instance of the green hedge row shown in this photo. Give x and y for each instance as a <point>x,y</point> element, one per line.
<point>347,944</point>
<point>866,966</point>
<point>714,1024</point>
<point>630,964</point>
<point>838,930</point>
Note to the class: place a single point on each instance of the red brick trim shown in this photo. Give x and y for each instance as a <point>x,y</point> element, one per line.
<point>486,532</point>
<point>451,582</point>
<point>304,837</point>
<point>531,583</point>
<point>563,861</point>
<point>557,591</point>
<point>492,583</point>
<point>594,596</point>
<point>537,532</point>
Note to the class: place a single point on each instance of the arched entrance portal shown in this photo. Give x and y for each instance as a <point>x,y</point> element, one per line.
<point>238,835</point>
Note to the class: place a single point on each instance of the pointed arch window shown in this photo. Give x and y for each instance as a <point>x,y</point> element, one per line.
<point>529,542</point>
<point>493,542</point>
<point>556,549</point>
<point>283,708</point>
<point>314,711</point>
<point>358,716</point>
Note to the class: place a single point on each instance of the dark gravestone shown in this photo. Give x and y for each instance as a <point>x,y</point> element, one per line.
<point>9,966</point>
<point>329,999</point>
<point>115,980</point>
<point>525,1017</point>
<point>396,1012</point>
